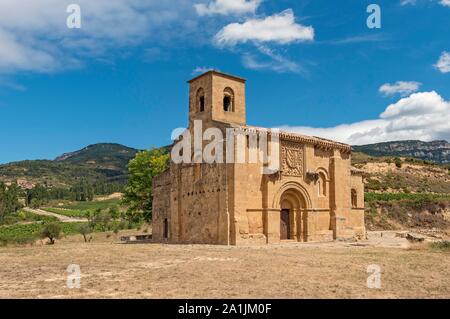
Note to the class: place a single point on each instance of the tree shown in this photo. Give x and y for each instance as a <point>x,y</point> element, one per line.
<point>51,231</point>
<point>85,230</point>
<point>37,196</point>
<point>100,218</point>
<point>114,212</point>
<point>83,191</point>
<point>9,200</point>
<point>104,220</point>
<point>398,162</point>
<point>3,202</point>
<point>141,170</point>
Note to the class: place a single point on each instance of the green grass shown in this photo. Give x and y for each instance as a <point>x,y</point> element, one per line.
<point>92,205</point>
<point>29,233</point>
<point>441,245</point>
<point>25,216</point>
<point>68,212</point>
<point>82,209</point>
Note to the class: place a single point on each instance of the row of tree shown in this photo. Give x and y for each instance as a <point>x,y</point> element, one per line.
<point>137,193</point>
<point>82,191</point>
<point>9,200</point>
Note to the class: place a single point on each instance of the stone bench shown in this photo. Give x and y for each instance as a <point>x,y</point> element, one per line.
<point>136,238</point>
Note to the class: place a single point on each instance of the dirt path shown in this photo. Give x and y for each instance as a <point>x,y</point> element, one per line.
<point>61,218</point>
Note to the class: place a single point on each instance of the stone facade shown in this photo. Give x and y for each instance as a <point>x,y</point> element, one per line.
<point>315,196</point>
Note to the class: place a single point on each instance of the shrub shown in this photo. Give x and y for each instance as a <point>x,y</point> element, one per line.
<point>85,230</point>
<point>114,212</point>
<point>22,215</point>
<point>100,220</point>
<point>36,203</point>
<point>29,239</point>
<point>441,245</point>
<point>51,231</point>
<point>398,162</point>
<point>413,197</point>
<point>123,225</point>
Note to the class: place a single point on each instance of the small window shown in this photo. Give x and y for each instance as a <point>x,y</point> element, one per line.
<point>166,229</point>
<point>227,104</point>
<point>354,199</point>
<point>200,100</point>
<point>202,103</point>
<point>228,100</point>
<point>322,184</point>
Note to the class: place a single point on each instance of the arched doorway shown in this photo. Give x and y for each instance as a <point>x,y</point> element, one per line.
<point>293,216</point>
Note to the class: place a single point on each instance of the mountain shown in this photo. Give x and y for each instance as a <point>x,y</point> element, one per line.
<point>436,151</point>
<point>105,155</point>
<point>107,162</point>
<point>405,193</point>
<point>103,162</point>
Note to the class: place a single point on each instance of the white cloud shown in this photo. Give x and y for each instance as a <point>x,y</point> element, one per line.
<point>279,28</point>
<point>7,83</point>
<point>275,62</point>
<point>415,105</point>
<point>443,64</point>
<point>401,87</point>
<point>202,69</point>
<point>445,3</point>
<point>423,116</point>
<point>406,2</point>
<point>281,66</point>
<point>360,39</point>
<point>34,36</point>
<point>226,7</point>
<point>15,54</point>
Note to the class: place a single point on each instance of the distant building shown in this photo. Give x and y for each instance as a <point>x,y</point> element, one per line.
<point>24,184</point>
<point>315,196</point>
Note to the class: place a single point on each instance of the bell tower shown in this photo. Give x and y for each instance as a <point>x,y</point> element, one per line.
<point>216,96</point>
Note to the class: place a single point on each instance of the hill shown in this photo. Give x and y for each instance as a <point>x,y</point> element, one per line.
<point>413,175</point>
<point>400,193</point>
<point>103,162</point>
<point>405,194</point>
<point>105,155</point>
<point>436,151</point>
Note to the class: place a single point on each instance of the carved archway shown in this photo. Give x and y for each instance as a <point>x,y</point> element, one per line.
<point>292,201</point>
<point>293,186</point>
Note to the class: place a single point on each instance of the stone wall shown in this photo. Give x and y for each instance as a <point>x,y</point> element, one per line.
<point>237,204</point>
<point>161,205</point>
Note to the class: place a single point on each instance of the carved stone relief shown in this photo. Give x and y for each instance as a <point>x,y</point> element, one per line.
<point>292,158</point>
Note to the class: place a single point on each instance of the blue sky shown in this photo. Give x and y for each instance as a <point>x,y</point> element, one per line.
<point>313,67</point>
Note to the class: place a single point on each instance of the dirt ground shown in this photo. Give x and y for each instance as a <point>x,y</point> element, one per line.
<point>110,269</point>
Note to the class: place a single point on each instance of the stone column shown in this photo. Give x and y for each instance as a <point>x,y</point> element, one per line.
<point>296,223</point>
<point>339,193</point>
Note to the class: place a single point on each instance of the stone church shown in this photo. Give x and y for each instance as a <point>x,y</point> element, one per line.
<point>315,196</point>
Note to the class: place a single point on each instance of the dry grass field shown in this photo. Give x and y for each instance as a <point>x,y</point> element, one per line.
<point>113,270</point>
